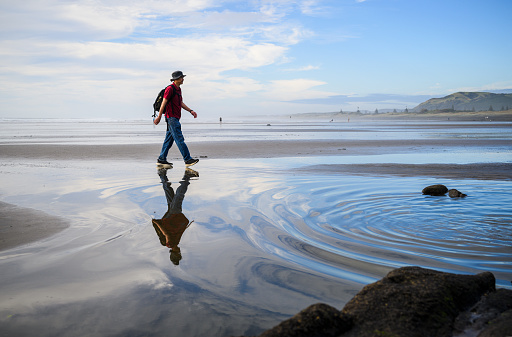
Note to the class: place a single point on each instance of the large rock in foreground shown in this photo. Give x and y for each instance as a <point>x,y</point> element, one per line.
<point>409,302</point>
<point>413,301</point>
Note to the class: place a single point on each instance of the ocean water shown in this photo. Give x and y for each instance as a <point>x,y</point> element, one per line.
<point>77,131</point>
<point>265,237</point>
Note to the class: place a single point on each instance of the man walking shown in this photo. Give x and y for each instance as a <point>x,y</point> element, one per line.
<point>172,104</point>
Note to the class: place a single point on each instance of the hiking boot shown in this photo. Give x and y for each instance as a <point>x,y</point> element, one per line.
<point>162,171</point>
<point>163,163</point>
<point>189,173</point>
<point>191,162</point>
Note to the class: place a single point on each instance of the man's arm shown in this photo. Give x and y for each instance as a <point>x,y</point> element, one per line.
<point>160,113</point>
<point>184,106</point>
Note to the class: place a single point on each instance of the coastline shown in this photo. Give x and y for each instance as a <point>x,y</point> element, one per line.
<point>461,116</point>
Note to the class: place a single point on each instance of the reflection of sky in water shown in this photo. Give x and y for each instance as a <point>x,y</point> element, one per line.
<point>266,240</point>
<point>265,243</point>
<point>447,157</point>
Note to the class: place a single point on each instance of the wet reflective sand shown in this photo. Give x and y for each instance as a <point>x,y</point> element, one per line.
<point>235,246</point>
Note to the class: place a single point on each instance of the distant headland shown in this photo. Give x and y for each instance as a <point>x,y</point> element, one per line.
<point>466,106</point>
<point>467,102</point>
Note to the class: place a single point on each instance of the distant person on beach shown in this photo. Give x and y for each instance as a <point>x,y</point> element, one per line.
<point>172,110</point>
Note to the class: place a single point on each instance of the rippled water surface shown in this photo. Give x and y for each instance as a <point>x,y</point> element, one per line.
<point>264,240</point>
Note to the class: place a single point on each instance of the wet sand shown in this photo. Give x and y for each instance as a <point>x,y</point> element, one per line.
<point>21,226</point>
<point>278,223</point>
<point>241,149</point>
<point>484,171</point>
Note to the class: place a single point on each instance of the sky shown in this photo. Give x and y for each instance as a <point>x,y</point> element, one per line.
<point>110,58</point>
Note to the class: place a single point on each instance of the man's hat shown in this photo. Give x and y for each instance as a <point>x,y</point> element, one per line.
<point>176,75</point>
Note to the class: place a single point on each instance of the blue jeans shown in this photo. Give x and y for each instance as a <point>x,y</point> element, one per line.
<point>174,201</point>
<point>172,135</point>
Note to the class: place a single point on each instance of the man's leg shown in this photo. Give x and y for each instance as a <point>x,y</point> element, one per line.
<point>177,202</point>
<point>168,141</point>
<point>179,139</point>
<point>168,190</point>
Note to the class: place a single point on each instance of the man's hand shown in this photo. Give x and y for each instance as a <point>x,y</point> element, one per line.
<point>193,113</point>
<point>157,120</point>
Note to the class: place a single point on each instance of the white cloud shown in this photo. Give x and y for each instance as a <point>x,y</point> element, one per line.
<point>286,34</point>
<point>103,72</point>
<point>289,90</point>
<point>121,20</point>
<point>222,20</point>
<point>101,19</point>
<point>234,87</point>
<point>97,50</point>
<point>305,68</point>
<point>314,8</point>
<point>56,20</point>
<point>491,86</point>
<point>309,6</point>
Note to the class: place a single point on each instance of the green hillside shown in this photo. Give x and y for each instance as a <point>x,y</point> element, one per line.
<point>467,101</point>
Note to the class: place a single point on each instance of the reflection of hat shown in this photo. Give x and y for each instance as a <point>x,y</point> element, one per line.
<point>176,256</point>
<point>176,75</point>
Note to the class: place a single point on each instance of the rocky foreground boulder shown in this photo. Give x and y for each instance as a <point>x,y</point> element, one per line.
<point>410,302</point>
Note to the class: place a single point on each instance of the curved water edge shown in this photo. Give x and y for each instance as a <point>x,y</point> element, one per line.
<point>264,238</point>
<point>264,241</point>
<point>355,228</point>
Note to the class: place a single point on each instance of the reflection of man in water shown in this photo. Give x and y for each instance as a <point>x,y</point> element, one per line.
<point>172,225</point>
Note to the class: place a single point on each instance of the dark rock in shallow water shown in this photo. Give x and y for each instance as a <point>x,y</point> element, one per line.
<point>453,193</point>
<point>435,190</point>
<point>409,302</point>
<point>318,320</point>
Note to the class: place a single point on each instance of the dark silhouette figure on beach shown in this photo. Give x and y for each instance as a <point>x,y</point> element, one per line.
<point>173,224</point>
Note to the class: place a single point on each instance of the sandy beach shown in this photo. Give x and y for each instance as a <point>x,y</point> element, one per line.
<point>300,215</point>
<point>24,225</point>
<point>43,154</point>
<point>40,154</point>
<point>243,149</point>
